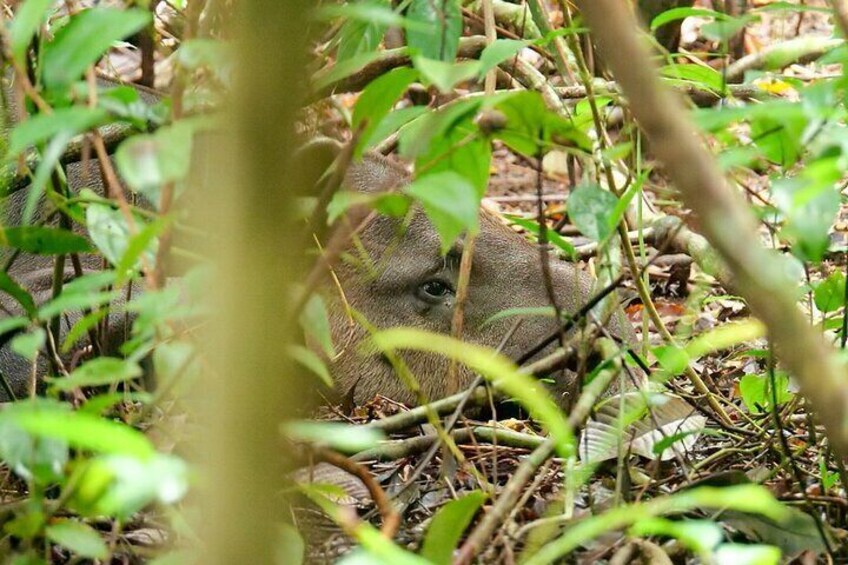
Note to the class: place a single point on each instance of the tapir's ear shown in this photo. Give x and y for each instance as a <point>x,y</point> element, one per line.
<point>375,173</point>
<point>319,152</point>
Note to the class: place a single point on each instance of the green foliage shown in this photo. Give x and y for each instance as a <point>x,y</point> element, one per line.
<point>448,525</point>
<point>441,26</point>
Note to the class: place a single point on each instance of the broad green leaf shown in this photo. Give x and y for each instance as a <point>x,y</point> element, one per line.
<point>726,29</point>
<point>496,368</point>
<point>757,395</point>
<point>446,75</point>
<point>33,459</point>
<point>448,525</point>
<point>741,554</point>
<point>98,372</point>
<point>344,68</point>
<point>532,128</point>
<point>441,27</point>
<point>291,548</point>
<point>700,536</point>
<point>80,430</point>
<point>451,203</point>
<point>681,13</point>
<point>347,438</point>
<point>554,238</point>
<point>43,241</point>
<point>80,538</point>
<point>12,323</point>
<point>389,203</point>
<point>148,162</point>
<point>85,39</point>
<point>373,12</point>
<point>16,291</point>
<point>120,485</point>
<point>779,137</point>
<point>74,301</point>
<point>359,34</point>
<point>81,327</point>
<point>419,135</point>
<point>110,233</point>
<point>724,337</point>
<point>699,75</point>
<point>378,98</point>
<point>810,205</point>
<point>311,361</point>
<point>28,18</point>
<point>49,160</point>
<point>145,242</point>
<point>672,359</point>
<point>592,209</point>
<point>390,124</point>
<point>462,149</point>
<point>41,127</point>
<point>499,51</point>
<point>829,294</point>
<point>316,324</point>
<point>27,345</point>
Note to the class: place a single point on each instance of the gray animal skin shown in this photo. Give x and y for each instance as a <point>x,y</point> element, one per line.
<point>410,283</point>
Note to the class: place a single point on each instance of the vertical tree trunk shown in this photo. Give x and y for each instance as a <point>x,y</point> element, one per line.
<point>248,184</point>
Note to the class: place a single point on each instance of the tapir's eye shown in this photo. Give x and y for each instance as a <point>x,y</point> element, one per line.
<point>434,290</point>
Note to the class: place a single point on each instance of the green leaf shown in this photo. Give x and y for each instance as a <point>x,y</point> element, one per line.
<point>391,123</point>
<point>756,391</point>
<point>389,203</point>
<point>446,75</point>
<point>16,291</point>
<point>829,294</point>
<point>745,498</point>
<point>80,538</point>
<point>496,368</point>
<point>121,485</point>
<point>441,27</point>
<point>316,324</point>
<point>28,18</point>
<point>81,327</point>
<point>85,39</point>
<point>725,30</point>
<point>27,345</point>
<point>499,51</point>
<point>681,13</point>
<point>74,301</point>
<point>110,233</point>
<point>779,137</point>
<point>699,75</point>
<point>80,430</point>
<point>810,205</point>
<point>145,242</point>
<point>451,203</point>
<point>343,68</point>
<point>701,536</point>
<point>33,459</point>
<point>556,239</point>
<point>148,162</point>
<point>448,525</point>
<point>592,210</point>
<point>741,554</point>
<point>311,361</point>
<point>379,97</point>
<point>347,438</point>
<point>12,323</point>
<point>41,127</point>
<point>364,28</point>
<point>290,546</point>
<point>671,358</point>
<point>531,127</point>
<point>43,241</point>
<point>98,372</point>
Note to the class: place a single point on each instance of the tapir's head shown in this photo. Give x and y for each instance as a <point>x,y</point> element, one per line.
<point>396,275</point>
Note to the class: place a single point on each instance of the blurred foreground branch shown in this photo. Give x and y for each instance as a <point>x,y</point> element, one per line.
<point>250,185</point>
